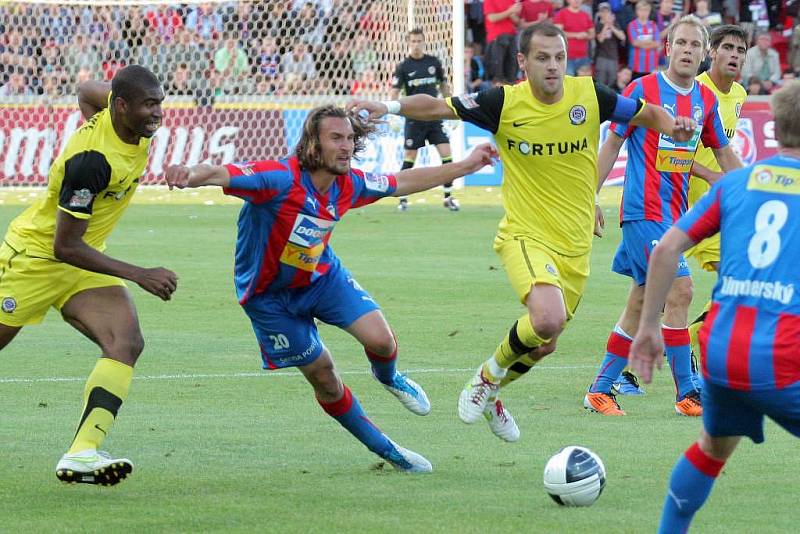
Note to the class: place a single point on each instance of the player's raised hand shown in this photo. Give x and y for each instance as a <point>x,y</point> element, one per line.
<point>159,281</point>
<point>374,110</point>
<point>481,156</point>
<point>177,176</point>
<point>683,129</point>
<point>647,350</point>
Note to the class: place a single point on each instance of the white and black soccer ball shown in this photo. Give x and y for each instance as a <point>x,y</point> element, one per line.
<point>574,476</point>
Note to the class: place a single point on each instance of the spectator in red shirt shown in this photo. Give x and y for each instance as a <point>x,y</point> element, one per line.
<point>578,26</point>
<point>502,18</point>
<point>534,11</point>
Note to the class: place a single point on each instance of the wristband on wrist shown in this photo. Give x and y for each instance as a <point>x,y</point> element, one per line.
<point>392,106</point>
<point>597,199</point>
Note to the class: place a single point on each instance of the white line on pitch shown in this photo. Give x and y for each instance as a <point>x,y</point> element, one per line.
<point>268,374</point>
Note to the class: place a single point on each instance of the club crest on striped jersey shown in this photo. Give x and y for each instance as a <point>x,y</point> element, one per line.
<point>309,231</point>
<point>246,168</point>
<point>697,114</point>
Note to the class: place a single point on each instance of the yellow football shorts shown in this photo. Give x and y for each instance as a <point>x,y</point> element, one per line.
<point>528,262</point>
<point>29,286</point>
<point>706,252</point>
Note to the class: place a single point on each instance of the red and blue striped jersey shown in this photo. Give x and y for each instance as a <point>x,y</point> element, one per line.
<point>285,223</point>
<point>657,171</point>
<point>643,59</point>
<point>751,336</point>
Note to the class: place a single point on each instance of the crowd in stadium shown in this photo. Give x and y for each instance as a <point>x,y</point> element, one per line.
<point>620,40</point>
<point>289,47</point>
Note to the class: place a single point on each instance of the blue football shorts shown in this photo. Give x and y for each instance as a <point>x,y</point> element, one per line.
<point>283,321</point>
<point>638,240</point>
<point>731,412</point>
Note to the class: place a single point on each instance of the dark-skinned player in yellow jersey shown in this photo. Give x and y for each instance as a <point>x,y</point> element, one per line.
<point>52,256</point>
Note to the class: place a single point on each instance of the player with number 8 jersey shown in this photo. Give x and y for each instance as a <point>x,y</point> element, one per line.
<point>754,309</point>
<point>750,342</point>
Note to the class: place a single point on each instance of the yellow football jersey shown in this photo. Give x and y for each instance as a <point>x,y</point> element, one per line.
<point>730,106</point>
<point>93,178</point>
<point>549,155</point>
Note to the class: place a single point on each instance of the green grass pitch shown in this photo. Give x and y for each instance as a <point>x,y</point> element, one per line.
<point>220,445</point>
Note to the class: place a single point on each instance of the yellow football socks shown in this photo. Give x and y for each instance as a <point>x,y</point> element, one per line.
<point>106,389</point>
<point>516,346</point>
<point>519,368</point>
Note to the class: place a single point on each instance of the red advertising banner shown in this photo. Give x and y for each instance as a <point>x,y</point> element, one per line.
<point>30,136</point>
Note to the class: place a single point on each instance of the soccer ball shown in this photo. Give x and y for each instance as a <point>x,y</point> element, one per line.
<point>574,476</point>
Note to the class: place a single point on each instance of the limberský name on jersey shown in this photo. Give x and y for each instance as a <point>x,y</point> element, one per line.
<point>548,149</point>
<point>758,289</point>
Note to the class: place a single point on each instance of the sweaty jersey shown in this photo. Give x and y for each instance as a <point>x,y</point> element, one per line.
<point>418,76</point>
<point>285,223</point>
<point>549,154</point>
<point>730,106</point>
<point>93,178</point>
<point>751,336</point>
<point>657,172</point>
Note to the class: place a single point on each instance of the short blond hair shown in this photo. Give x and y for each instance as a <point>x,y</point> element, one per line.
<point>787,114</point>
<point>690,20</point>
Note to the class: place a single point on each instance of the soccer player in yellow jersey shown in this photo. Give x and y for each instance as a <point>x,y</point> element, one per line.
<point>52,255</point>
<point>547,130</point>
<point>728,49</point>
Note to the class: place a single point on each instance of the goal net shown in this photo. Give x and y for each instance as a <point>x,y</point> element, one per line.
<point>240,76</point>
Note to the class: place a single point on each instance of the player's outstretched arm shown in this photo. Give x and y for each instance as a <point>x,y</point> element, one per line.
<point>703,172</point>
<point>727,158</point>
<point>656,118</point>
<point>93,97</point>
<point>422,178</point>
<point>648,347</point>
<point>419,107</point>
<point>181,176</point>
<point>70,247</point>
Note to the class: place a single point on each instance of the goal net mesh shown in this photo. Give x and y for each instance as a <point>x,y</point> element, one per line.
<point>239,77</point>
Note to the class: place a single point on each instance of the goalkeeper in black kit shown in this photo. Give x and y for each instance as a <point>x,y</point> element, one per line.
<point>421,73</point>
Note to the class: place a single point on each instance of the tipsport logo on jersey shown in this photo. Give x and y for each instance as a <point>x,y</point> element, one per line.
<point>673,156</point>
<point>306,242</point>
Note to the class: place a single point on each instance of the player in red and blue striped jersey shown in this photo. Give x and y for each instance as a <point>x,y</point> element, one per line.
<point>750,342</point>
<point>654,196</point>
<point>644,41</point>
<point>287,275</point>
